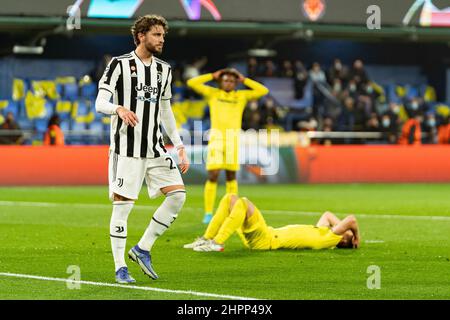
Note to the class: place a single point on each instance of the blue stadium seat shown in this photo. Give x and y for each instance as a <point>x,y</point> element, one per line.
<point>70,91</point>
<point>78,126</point>
<point>96,126</point>
<point>25,123</point>
<point>83,108</point>
<point>41,125</point>
<point>411,92</point>
<point>65,125</point>
<point>89,91</point>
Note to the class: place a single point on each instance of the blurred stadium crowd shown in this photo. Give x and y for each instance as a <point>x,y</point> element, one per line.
<point>334,98</point>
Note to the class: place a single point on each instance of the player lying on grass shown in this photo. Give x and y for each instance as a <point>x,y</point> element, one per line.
<point>241,215</point>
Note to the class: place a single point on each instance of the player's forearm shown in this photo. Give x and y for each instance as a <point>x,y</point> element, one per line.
<point>103,105</point>
<point>257,87</point>
<point>169,123</point>
<point>197,82</point>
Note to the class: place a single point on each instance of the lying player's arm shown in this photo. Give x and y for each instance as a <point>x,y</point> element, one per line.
<point>349,223</point>
<point>198,84</point>
<point>328,220</point>
<point>169,124</point>
<point>103,105</point>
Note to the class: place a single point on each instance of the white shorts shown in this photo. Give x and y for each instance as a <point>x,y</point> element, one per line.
<point>126,175</point>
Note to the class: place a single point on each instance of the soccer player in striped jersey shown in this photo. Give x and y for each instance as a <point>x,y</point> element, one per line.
<point>140,87</point>
<point>226,105</point>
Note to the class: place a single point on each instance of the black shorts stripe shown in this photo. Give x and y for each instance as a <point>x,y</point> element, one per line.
<point>156,120</point>
<point>133,104</point>
<point>160,222</point>
<point>112,67</point>
<point>146,116</point>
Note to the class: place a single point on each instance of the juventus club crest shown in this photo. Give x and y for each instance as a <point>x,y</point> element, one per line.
<point>159,76</point>
<point>313,9</point>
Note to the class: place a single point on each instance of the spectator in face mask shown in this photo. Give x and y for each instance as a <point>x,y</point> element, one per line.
<point>414,105</point>
<point>429,128</point>
<point>389,127</point>
<point>337,71</point>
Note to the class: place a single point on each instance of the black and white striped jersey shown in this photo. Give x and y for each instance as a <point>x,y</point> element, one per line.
<point>139,88</point>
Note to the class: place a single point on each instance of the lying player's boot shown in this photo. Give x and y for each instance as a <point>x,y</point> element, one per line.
<point>198,242</point>
<point>207,218</point>
<point>209,245</point>
<point>144,260</point>
<point>122,276</point>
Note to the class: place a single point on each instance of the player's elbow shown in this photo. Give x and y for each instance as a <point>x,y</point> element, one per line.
<point>265,91</point>
<point>351,219</point>
<point>191,83</point>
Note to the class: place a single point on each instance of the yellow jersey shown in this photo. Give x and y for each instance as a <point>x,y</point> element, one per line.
<point>304,237</point>
<point>226,108</point>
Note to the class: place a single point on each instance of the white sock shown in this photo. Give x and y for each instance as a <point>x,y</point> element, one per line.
<point>118,231</point>
<point>163,218</point>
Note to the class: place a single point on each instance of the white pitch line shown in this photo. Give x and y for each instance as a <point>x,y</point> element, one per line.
<point>115,285</point>
<point>373,241</point>
<point>265,211</point>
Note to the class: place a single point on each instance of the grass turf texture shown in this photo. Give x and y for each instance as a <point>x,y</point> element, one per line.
<point>414,258</point>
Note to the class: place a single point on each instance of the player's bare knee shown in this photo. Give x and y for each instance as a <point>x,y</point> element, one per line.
<point>230,175</point>
<point>213,175</point>
<point>118,197</point>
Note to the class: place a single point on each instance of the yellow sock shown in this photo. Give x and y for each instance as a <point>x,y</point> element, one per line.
<point>232,187</point>
<point>219,217</point>
<point>210,196</point>
<point>234,220</point>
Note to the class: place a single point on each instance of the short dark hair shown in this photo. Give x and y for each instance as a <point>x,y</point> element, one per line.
<point>228,71</point>
<point>145,23</point>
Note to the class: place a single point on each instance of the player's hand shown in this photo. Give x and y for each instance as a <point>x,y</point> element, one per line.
<point>216,75</point>
<point>240,76</point>
<point>356,242</point>
<point>128,117</point>
<point>184,160</point>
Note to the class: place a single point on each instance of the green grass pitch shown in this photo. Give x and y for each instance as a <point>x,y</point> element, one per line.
<point>70,226</point>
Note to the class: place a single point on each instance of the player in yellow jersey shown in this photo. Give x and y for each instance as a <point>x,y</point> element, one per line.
<point>239,214</point>
<point>226,105</point>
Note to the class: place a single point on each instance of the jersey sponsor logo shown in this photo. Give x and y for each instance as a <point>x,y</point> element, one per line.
<point>120,229</point>
<point>120,182</point>
<point>147,89</point>
<point>227,101</point>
